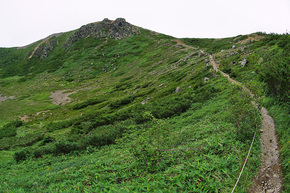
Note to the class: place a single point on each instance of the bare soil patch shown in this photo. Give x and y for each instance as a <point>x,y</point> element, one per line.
<point>4,98</point>
<point>25,118</point>
<point>61,98</point>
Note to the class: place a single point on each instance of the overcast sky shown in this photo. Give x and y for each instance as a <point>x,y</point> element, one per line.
<point>26,21</point>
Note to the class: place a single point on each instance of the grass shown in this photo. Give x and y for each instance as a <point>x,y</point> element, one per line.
<point>114,167</point>
<point>106,140</point>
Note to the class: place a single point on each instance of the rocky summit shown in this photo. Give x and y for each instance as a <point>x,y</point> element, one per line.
<point>117,29</point>
<point>113,29</point>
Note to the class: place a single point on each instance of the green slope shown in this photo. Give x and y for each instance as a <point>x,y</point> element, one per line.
<point>104,139</point>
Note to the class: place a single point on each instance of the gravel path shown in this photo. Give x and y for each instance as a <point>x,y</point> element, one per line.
<point>268,179</point>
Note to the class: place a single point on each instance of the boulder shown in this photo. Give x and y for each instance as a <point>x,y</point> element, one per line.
<point>160,85</point>
<point>206,79</point>
<point>243,62</point>
<point>45,48</point>
<point>145,101</point>
<point>234,47</point>
<point>178,89</point>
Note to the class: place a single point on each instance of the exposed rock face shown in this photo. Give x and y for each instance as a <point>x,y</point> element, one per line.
<point>43,50</point>
<point>117,29</point>
<point>45,46</point>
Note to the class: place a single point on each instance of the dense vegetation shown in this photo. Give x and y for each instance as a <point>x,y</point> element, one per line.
<point>191,140</point>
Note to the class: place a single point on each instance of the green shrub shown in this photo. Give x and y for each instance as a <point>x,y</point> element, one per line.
<point>167,107</point>
<point>46,140</point>
<point>41,151</point>
<point>56,148</point>
<point>9,130</point>
<point>276,74</point>
<point>27,140</point>
<point>122,86</point>
<point>20,155</point>
<point>145,85</point>
<point>244,115</point>
<point>103,139</point>
<point>120,102</point>
<point>86,103</point>
<point>65,147</point>
<point>53,126</point>
<point>173,76</point>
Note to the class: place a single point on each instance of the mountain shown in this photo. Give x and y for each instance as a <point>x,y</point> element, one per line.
<point>113,107</point>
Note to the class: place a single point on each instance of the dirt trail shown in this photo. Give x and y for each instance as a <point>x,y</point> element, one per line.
<point>268,179</point>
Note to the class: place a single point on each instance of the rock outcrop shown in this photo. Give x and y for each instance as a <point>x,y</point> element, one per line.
<point>44,49</point>
<point>45,46</point>
<point>117,29</point>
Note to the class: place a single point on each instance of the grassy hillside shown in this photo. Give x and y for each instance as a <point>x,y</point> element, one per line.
<point>126,125</point>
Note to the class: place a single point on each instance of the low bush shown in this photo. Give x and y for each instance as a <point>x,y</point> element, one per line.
<point>145,84</point>
<point>167,107</point>
<point>106,137</point>
<point>65,147</point>
<point>9,130</point>
<point>27,140</point>
<point>86,103</point>
<point>20,155</point>
<point>120,102</point>
<point>276,74</point>
<point>56,148</point>
<point>53,126</point>
<point>122,86</point>
<point>46,140</point>
<point>245,116</point>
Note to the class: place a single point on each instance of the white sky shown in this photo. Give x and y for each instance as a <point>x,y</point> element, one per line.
<point>25,21</point>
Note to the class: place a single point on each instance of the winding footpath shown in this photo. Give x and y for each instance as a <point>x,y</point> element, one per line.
<point>269,177</point>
